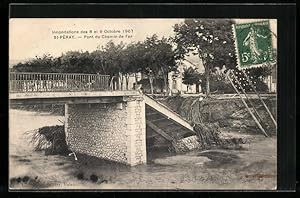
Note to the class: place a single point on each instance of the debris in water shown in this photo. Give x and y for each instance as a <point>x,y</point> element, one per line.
<point>49,138</point>
<point>209,135</point>
<point>74,155</point>
<point>187,144</point>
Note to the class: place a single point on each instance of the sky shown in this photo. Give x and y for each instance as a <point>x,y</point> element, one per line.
<point>34,37</point>
<point>31,37</point>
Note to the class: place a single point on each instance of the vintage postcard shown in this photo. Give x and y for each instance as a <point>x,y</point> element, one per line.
<point>140,104</point>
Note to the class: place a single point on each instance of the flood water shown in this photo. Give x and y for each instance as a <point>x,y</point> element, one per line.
<point>253,167</point>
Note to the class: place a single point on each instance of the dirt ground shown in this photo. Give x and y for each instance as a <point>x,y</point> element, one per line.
<point>253,167</point>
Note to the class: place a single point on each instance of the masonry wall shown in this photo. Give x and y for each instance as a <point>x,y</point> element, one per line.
<point>136,131</point>
<point>114,131</point>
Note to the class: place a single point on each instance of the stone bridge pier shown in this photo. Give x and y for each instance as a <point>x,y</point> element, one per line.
<point>113,131</point>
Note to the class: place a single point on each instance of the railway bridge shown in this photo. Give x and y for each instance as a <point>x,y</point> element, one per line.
<point>101,120</point>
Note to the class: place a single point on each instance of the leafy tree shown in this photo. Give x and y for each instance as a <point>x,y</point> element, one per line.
<point>211,39</point>
<point>113,60</point>
<point>131,61</point>
<point>166,59</point>
<point>98,57</point>
<point>76,62</point>
<point>153,57</point>
<point>45,64</point>
<point>191,77</point>
<point>136,57</point>
<point>113,57</point>
<point>219,83</point>
<point>157,58</point>
<point>116,60</point>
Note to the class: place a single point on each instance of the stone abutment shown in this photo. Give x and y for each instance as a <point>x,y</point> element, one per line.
<point>113,131</point>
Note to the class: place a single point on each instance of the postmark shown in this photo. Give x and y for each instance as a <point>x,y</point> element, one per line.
<point>253,44</point>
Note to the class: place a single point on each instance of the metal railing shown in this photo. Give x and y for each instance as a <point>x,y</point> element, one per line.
<point>50,82</point>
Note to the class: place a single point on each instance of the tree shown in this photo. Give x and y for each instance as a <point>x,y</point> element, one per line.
<point>191,77</point>
<point>76,62</point>
<point>158,58</point>
<point>113,61</point>
<point>219,83</point>
<point>44,64</point>
<point>153,57</point>
<point>211,39</point>
<point>136,57</point>
<point>131,60</point>
<point>98,57</point>
<point>166,59</point>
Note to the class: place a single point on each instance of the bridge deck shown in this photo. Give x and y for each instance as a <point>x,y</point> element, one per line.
<point>71,97</point>
<point>30,95</point>
<point>28,87</point>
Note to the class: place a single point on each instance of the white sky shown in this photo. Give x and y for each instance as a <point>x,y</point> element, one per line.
<point>33,37</point>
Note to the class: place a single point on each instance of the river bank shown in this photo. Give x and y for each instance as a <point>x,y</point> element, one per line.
<point>226,113</point>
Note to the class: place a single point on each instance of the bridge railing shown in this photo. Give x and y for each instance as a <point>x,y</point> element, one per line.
<point>42,82</point>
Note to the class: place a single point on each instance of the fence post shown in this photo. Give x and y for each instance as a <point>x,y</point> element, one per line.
<point>89,82</point>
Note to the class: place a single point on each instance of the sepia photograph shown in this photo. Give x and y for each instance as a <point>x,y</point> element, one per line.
<point>142,104</point>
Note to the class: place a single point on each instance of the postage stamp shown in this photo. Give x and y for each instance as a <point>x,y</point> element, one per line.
<point>253,44</point>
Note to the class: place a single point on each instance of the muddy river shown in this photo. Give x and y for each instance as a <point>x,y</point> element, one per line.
<point>253,167</point>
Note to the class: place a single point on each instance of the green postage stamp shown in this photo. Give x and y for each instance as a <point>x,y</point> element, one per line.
<point>253,44</point>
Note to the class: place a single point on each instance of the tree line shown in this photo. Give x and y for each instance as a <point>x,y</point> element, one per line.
<point>212,40</point>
